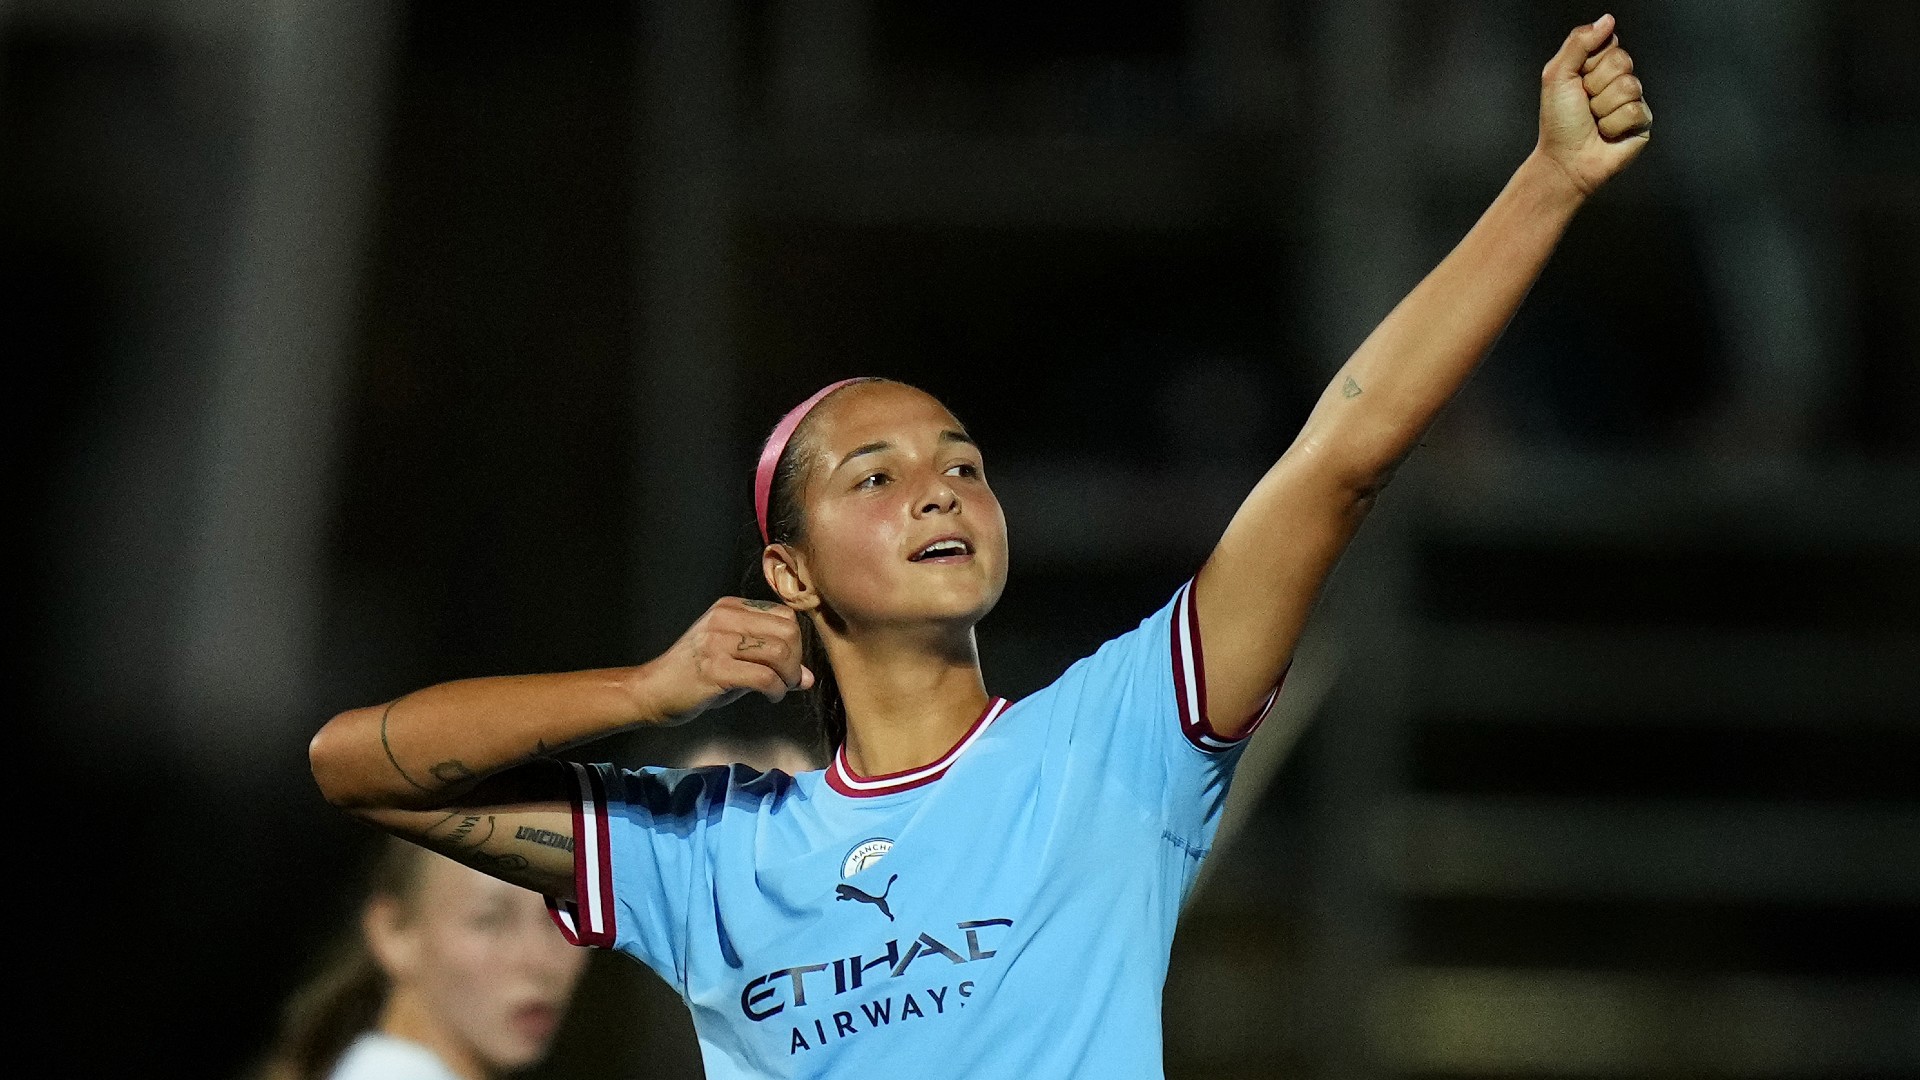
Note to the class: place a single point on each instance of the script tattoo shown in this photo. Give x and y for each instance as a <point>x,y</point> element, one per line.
<point>463,845</point>
<point>462,834</point>
<point>1351,389</point>
<point>545,837</point>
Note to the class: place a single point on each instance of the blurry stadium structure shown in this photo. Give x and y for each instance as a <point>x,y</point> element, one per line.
<point>397,342</point>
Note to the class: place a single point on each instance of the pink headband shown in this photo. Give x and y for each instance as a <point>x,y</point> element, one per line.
<point>777,445</point>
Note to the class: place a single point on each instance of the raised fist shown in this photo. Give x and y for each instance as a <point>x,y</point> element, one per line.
<point>1594,117</point>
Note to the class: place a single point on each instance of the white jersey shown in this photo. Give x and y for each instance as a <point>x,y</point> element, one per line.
<point>378,1056</point>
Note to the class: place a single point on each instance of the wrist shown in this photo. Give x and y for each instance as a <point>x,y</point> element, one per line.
<point>659,695</point>
<point>1549,183</point>
<point>641,685</point>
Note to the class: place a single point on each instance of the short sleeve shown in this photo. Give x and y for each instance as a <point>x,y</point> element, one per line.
<point>641,838</point>
<point>1138,714</point>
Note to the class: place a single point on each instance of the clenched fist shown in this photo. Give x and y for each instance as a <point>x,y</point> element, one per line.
<point>1594,117</point>
<point>738,647</point>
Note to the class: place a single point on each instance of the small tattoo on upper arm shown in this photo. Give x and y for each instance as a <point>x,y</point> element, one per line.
<point>497,865</point>
<point>762,605</point>
<point>462,833</point>
<point>1351,389</point>
<point>451,772</point>
<point>545,837</point>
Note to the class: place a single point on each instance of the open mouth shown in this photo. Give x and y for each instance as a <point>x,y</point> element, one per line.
<point>946,549</point>
<point>536,1022</point>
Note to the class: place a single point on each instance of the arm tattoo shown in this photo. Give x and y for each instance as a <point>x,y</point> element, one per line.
<point>497,865</point>
<point>544,837</point>
<point>1351,389</point>
<point>462,846</point>
<point>761,605</point>
<point>462,835</point>
<point>388,747</point>
<point>749,644</point>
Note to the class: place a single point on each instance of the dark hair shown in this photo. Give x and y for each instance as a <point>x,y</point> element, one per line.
<point>786,524</point>
<point>344,995</point>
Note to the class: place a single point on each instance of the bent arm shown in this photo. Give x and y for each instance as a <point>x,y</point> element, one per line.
<point>1257,588</point>
<point>457,767</point>
<point>428,748</point>
<point>464,767</point>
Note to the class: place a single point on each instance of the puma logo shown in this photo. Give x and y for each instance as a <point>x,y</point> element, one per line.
<point>844,891</point>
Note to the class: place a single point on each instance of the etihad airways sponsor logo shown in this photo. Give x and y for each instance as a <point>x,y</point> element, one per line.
<point>879,1013</point>
<point>775,992</point>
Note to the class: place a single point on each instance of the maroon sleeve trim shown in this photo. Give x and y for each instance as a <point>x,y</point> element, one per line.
<point>587,918</point>
<point>1190,681</point>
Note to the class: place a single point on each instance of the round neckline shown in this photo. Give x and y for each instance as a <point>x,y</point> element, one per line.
<point>842,778</point>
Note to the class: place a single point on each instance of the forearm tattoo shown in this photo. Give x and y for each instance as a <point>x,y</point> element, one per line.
<point>388,747</point>
<point>449,772</point>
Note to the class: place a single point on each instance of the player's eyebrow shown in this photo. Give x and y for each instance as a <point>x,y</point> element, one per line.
<point>950,435</point>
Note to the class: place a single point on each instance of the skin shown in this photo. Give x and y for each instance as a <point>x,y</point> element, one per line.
<point>479,974</point>
<point>1254,595</point>
<point>460,767</point>
<point>887,470</point>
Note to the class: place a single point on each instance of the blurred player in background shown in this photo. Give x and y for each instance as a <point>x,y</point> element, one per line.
<point>444,973</point>
<point>971,887</point>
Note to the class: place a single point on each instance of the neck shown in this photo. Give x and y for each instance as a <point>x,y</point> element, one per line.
<point>405,1016</point>
<point>908,697</point>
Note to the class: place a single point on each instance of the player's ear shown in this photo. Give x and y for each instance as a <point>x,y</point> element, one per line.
<point>786,572</point>
<point>390,937</point>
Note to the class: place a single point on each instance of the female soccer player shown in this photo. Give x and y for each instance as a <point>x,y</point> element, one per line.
<point>972,887</point>
<point>442,974</point>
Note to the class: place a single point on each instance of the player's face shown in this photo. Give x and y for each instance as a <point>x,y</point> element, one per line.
<point>901,526</point>
<point>489,964</point>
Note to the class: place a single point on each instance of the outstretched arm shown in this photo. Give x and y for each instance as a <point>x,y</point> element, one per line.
<point>1260,583</point>
<point>460,767</point>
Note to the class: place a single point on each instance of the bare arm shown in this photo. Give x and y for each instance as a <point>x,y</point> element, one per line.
<point>1257,588</point>
<point>462,767</point>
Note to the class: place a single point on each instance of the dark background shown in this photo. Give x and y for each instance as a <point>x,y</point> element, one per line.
<point>359,346</point>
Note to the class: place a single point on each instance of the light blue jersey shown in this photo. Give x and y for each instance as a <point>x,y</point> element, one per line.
<point>1007,910</point>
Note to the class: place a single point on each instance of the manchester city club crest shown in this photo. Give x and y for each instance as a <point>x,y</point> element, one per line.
<point>865,854</point>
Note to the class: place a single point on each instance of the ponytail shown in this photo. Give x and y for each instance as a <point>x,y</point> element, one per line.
<point>344,995</point>
<point>823,701</point>
<point>338,1002</point>
<point>785,525</point>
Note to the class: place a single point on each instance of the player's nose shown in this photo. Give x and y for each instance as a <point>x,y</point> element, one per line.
<point>939,498</point>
